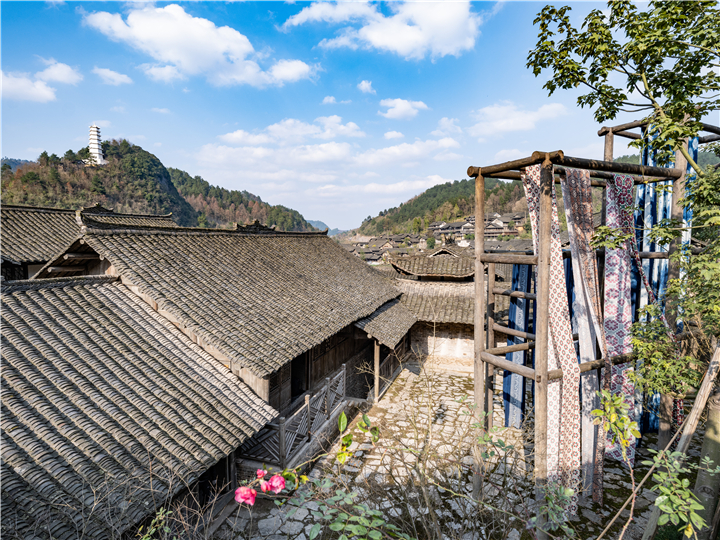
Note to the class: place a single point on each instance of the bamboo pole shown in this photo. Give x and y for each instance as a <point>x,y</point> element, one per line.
<point>478,317</point>
<point>542,333</point>
<point>690,426</point>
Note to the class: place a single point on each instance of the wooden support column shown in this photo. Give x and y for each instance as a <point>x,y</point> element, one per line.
<point>307,409</point>
<point>377,370</point>
<point>480,370</point>
<point>489,384</point>
<point>479,315</point>
<point>542,333</point>
<point>281,443</point>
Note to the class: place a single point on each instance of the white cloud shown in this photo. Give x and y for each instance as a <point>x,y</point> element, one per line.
<point>405,152</point>
<point>20,87</point>
<point>446,126</point>
<point>393,135</point>
<point>183,46</point>
<point>405,186</point>
<point>293,131</point>
<point>113,78</point>
<point>161,111</point>
<point>401,109</point>
<point>509,154</point>
<point>448,156</point>
<point>118,109</point>
<point>58,72</point>
<point>328,100</point>
<point>413,30</point>
<point>103,123</point>
<point>366,87</point>
<point>506,117</point>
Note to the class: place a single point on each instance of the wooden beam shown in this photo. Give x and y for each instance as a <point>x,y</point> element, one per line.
<point>708,138</point>
<point>505,349</point>
<point>501,363</point>
<point>57,269</point>
<point>710,128</point>
<point>594,364</point>
<point>627,134</point>
<point>514,294</point>
<point>630,125</point>
<point>511,332</point>
<point>82,256</point>
<point>612,166</point>
<point>536,157</point>
<point>507,258</point>
<point>542,329</point>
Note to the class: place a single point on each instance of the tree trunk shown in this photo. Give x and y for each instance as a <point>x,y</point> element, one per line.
<point>707,486</point>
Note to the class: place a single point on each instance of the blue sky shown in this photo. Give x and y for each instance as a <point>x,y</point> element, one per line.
<point>337,110</point>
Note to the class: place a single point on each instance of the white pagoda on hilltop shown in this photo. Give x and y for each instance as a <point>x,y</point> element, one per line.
<point>94,146</point>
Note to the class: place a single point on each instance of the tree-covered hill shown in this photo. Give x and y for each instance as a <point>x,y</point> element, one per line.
<point>445,202</point>
<point>218,207</point>
<point>135,181</point>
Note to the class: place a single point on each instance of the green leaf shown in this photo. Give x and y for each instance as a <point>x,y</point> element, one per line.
<point>337,526</point>
<point>375,535</point>
<point>663,519</point>
<point>342,422</point>
<point>315,530</point>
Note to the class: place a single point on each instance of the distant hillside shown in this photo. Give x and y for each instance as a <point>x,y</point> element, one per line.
<point>219,207</point>
<point>704,158</point>
<point>322,226</point>
<point>135,181</point>
<point>15,163</point>
<point>445,202</point>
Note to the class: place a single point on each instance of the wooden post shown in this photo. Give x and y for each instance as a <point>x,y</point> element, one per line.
<point>707,486</point>
<point>666,400</point>
<point>281,443</point>
<point>690,425</point>
<point>542,334</point>
<point>479,316</point>
<point>377,370</point>
<point>309,426</point>
<point>490,383</point>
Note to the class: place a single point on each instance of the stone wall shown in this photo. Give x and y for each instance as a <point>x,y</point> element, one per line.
<point>444,343</point>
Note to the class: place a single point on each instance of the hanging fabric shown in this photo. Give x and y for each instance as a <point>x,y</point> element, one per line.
<point>518,319</point>
<point>577,196</point>
<point>563,437</point>
<point>618,307</point>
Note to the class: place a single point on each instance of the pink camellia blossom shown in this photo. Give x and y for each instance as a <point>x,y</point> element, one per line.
<point>244,494</point>
<point>261,473</point>
<point>265,486</point>
<point>277,483</point>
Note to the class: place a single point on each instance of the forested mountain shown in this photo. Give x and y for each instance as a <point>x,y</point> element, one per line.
<point>456,200</point>
<point>320,225</point>
<point>218,207</point>
<point>135,181</point>
<point>446,202</point>
<point>15,163</point>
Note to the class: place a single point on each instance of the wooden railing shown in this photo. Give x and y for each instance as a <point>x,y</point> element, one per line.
<point>277,443</point>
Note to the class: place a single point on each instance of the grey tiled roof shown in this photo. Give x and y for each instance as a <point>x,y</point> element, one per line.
<point>33,234</point>
<point>440,266</point>
<point>260,297</point>
<point>388,324</point>
<point>438,301</point>
<point>97,390</point>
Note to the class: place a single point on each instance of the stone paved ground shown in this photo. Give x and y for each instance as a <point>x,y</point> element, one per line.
<point>426,432</point>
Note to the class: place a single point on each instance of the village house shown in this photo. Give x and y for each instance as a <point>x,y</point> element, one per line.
<point>109,412</point>
<point>32,235</point>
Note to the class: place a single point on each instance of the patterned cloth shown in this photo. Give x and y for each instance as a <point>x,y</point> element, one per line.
<point>618,308</point>
<point>518,319</point>
<point>577,197</point>
<point>563,438</point>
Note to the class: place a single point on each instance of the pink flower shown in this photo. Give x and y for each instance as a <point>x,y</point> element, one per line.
<point>261,473</point>
<point>244,494</point>
<point>277,483</point>
<point>265,486</point>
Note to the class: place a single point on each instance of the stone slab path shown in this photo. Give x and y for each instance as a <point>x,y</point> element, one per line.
<point>427,428</point>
